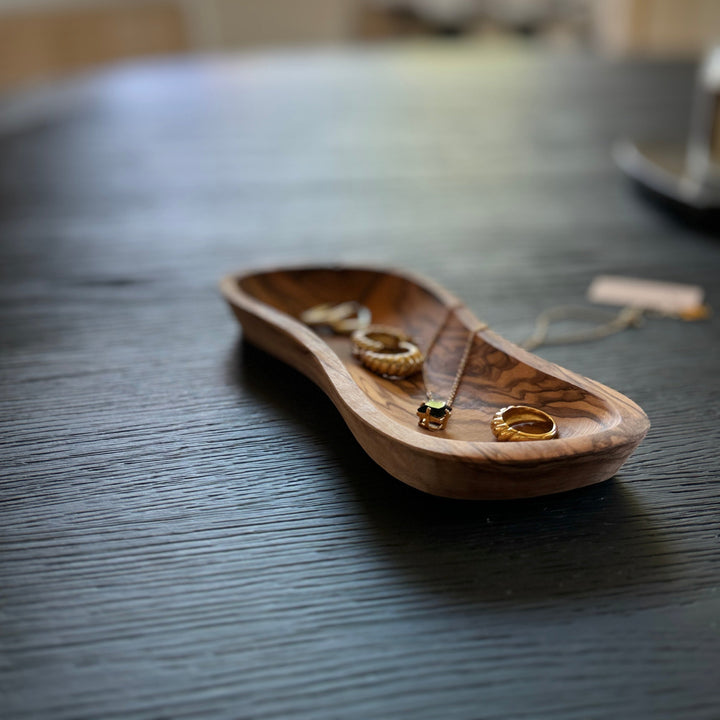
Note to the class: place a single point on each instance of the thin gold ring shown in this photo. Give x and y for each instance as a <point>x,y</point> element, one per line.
<point>522,422</point>
<point>342,318</point>
<point>404,363</point>
<point>377,338</point>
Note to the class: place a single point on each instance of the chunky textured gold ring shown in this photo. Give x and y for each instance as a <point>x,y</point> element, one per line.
<point>406,361</point>
<point>378,338</point>
<point>522,422</point>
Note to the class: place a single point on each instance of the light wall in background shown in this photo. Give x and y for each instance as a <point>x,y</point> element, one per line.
<point>42,40</point>
<point>230,24</point>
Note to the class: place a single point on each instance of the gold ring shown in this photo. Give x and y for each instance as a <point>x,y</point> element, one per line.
<point>378,338</point>
<point>522,422</point>
<point>407,361</point>
<point>342,318</point>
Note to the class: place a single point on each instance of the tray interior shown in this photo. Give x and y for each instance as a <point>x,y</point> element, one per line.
<point>492,378</point>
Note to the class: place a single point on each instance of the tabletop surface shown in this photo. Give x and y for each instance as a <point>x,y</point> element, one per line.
<point>181,538</point>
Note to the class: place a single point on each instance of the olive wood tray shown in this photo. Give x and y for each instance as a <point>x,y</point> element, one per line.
<point>598,427</point>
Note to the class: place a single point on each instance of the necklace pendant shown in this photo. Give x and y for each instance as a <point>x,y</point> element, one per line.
<point>433,415</point>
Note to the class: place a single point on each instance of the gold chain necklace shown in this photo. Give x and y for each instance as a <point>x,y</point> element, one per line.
<point>434,414</point>
<point>344,317</point>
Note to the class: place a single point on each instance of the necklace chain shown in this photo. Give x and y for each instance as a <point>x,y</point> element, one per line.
<point>463,361</point>
<point>336,316</point>
<point>626,318</point>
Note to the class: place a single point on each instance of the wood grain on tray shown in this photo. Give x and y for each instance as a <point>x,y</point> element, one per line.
<point>598,427</point>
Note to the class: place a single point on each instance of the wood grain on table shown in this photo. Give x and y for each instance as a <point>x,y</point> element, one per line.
<point>182,537</point>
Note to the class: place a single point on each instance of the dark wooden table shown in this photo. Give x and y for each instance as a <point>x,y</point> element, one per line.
<point>181,537</point>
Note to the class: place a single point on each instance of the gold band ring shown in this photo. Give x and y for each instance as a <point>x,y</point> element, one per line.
<point>377,338</point>
<point>407,361</point>
<point>522,422</point>
<point>342,318</point>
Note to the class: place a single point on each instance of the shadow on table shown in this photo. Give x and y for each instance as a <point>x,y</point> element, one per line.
<point>573,544</point>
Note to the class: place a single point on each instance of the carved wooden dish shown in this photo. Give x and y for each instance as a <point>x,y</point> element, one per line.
<point>598,427</point>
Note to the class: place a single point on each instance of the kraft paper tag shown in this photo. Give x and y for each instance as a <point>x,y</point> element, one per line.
<point>665,297</point>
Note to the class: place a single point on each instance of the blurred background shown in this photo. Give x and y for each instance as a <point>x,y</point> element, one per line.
<point>44,40</point>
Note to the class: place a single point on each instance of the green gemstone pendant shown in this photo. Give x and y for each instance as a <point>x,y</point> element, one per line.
<point>433,415</point>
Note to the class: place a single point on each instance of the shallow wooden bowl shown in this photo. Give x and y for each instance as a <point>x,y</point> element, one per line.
<point>598,427</point>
